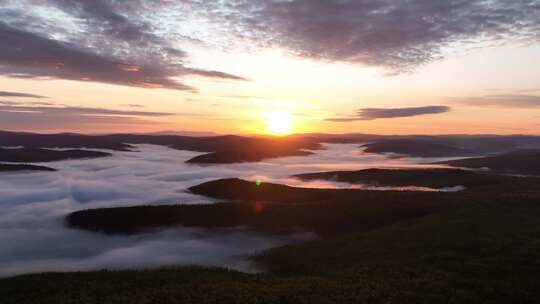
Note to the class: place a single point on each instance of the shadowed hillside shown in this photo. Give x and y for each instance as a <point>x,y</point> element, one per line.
<point>269,208</point>
<point>517,162</point>
<point>29,155</point>
<point>451,146</point>
<point>26,155</point>
<point>232,148</point>
<point>246,155</point>
<point>433,178</point>
<point>278,208</point>
<point>415,147</point>
<point>222,149</point>
<point>62,140</point>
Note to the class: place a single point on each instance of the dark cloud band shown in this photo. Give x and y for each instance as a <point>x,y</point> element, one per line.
<point>399,35</point>
<point>119,42</point>
<point>18,94</point>
<point>24,117</point>
<point>378,113</point>
<point>501,100</point>
<point>25,54</point>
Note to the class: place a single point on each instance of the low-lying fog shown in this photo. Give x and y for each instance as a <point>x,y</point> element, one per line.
<point>34,238</point>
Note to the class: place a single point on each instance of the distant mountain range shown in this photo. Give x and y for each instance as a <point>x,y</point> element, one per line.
<point>234,148</point>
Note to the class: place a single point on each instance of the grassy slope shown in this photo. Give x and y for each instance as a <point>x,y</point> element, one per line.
<point>485,250</point>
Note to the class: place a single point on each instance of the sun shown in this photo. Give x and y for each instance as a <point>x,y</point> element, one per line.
<point>279,122</point>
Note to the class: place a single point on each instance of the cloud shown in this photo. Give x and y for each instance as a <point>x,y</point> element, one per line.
<point>17,94</point>
<point>399,35</point>
<point>83,111</point>
<point>138,42</point>
<point>534,90</point>
<point>242,96</point>
<point>100,45</point>
<point>501,100</point>
<point>31,121</point>
<point>377,113</point>
<point>102,16</point>
<point>19,117</point>
<point>27,55</point>
<point>34,103</point>
<point>216,74</point>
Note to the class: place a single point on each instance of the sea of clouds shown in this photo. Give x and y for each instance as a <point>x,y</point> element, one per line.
<point>34,204</point>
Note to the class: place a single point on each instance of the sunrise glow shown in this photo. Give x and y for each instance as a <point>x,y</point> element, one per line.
<point>279,122</point>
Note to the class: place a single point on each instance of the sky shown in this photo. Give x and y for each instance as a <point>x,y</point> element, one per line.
<point>270,67</point>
